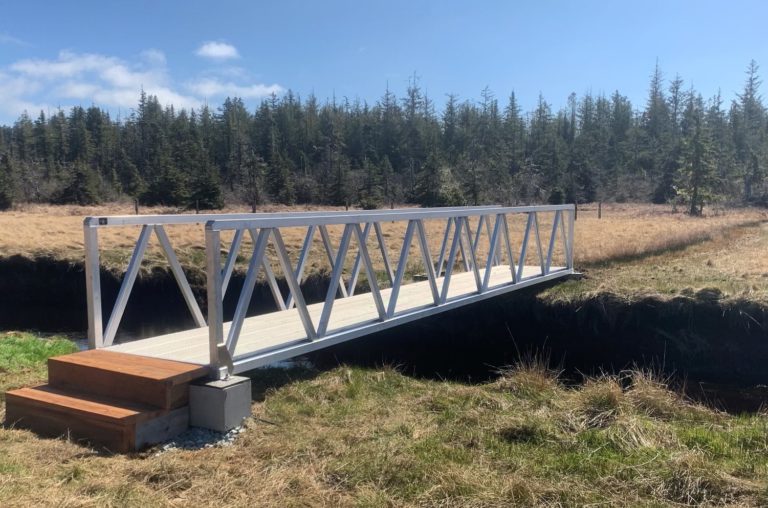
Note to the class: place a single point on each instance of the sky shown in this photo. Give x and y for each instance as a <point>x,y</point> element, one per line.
<point>61,54</point>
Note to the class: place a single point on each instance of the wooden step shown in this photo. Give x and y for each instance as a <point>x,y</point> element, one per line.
<point>103,421</point>
<point>140,379</point>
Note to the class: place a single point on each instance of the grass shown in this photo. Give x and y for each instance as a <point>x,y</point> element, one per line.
<point>726,265</point>
<point>23,355</point>
<point>359,437</point>
<point>626,232</point>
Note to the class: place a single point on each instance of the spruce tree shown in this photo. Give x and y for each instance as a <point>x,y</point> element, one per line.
<point>6,182</point>
<point>697,180</point>
<point>80,185</point>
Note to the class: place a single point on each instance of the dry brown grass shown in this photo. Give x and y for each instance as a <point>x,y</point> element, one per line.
<point>629,231</point>
<point>729,265</point>
<point>625,232</point>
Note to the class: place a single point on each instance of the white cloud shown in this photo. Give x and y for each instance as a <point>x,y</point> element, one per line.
<point>110,82</point>
<point>217,51</point>
<point>104,80</point>
<point>213,87</point>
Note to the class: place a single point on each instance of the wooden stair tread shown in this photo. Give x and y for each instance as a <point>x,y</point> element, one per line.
<point>86,405</point>
<point>155,369</point>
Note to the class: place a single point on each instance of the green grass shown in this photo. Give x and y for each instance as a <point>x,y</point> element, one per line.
<point>388,439</point>
<point>23,355</point>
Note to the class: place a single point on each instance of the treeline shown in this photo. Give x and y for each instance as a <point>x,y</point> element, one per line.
<point>679,148</point>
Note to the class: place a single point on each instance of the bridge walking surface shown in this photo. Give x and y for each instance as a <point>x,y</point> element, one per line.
<point>265,336</point>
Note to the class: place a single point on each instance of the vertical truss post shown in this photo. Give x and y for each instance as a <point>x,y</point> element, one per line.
<point>570,242</point>
<point>93,285</point>
<point>215,301</point>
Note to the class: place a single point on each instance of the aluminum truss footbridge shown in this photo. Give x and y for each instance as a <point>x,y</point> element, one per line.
<point>384,267</point>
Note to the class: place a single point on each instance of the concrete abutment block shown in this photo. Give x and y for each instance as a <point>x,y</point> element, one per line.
<point>220,405</point>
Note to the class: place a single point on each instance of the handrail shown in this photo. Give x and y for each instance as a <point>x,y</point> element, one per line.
<point>101,221</point>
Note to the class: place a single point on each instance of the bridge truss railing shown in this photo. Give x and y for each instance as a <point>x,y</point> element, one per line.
<point>363,243</point>
<point>102,329</point>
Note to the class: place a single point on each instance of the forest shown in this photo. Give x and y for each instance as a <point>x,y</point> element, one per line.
<point>677,148</point>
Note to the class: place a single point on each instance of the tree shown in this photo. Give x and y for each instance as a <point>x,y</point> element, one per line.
<point>6,182</point>
<point>279,181</point>
<point>252,183</point>
<point>372,193</point>
<point>80,186</point>
<point>697,180</point>
<point>748,118</point>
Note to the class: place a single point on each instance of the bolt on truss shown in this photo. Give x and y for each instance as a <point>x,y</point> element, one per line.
<point>440,258</point>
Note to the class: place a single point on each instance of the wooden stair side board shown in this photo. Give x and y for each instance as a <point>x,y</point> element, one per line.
<point>86,405</point>
<point>121,428</point>
<point>53,421</point>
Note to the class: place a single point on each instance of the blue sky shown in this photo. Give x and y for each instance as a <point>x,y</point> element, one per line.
<point>187,52</point>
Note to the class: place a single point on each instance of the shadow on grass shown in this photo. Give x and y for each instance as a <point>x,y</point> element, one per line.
<point>268,379</point>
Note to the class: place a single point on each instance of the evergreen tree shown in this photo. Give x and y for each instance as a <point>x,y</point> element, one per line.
<point>6,182</point>
<point>252,182</point>
<point>80,185</point>
<point>697,180</point>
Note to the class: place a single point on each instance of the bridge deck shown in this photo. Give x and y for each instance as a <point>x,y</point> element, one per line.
<point>274,336</point>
